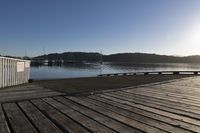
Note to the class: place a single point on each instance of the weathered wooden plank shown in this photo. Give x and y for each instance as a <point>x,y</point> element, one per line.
<point>157,105</point>
<point>180,102</point>
<point>107,121</point>
<point>179,89</point>
<point>167,92</point>
<point>138,117</point>
<point>121,118</point>
<point>167,96</point>
<point>189,83</point>
<point>26,92</point>
<point>4,128</point>
<point>89,123</point>
<point>18,121</point>
<point>22,88</point>
<point>194,121</point>
<point>43,124</point>
<point>62,121</point>
<point>166,102</point>
<point>190,94</point>
<point>177,94</point>
<point>29,96</point>
<point>190,124</point>
<point>152,115</point>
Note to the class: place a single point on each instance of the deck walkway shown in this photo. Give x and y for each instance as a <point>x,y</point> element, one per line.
<point>154,108</point>
<point>24,92</point>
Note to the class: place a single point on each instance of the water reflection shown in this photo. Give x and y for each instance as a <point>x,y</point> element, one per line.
<point>93,69</point>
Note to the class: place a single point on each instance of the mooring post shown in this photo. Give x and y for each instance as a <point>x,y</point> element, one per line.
<point>195,73</point>
<point>176,73</point>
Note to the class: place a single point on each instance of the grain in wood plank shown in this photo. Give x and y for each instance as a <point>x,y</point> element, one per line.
<point>27,97</point>
<point>189,83</point>
<point>185,99</point>
<point>7,90</point>
<point>43,124</point>
<point>179,89</point>
<point>165,92</point>
<point>165,96</point>
<point>180,85</point>
<point>126,120</point>
<point>107,121</point>
<point>179,120</point>
<point>90,124</point>
<point>18,121</point>
<point>22,88</point>
<point>187,119</point>
<point>156,105</point>
<point>138,117</point>
<point>23,92</point>
<point>152,115</point>
<point>167,102</point>
<point>186,94</point>
<point>175,94</point>
<point>62,121</point>
<point>4,128</point>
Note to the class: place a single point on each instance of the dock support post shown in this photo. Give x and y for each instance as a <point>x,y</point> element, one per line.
<point>176,73</point>
<point>195,73</point>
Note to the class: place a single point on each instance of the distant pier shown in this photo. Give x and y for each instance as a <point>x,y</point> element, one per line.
<point>39,62</point>
<point>152,73</point>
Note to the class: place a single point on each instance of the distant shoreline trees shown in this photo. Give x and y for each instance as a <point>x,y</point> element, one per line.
<point>119,57</point>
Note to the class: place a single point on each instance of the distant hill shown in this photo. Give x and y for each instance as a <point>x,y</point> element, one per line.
<point>72,56</point>
<point>150,58</point>
<point>120,57</point>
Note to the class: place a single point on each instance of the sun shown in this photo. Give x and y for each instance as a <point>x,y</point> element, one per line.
<point>189,43</point>
<point>194,36</point>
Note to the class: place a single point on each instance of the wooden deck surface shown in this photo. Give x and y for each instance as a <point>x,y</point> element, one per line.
<point>155,108</point>
<point>25,92</point>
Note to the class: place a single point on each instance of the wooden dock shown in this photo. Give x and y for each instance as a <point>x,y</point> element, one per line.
<point>152,73</point>
<point>163,107</point>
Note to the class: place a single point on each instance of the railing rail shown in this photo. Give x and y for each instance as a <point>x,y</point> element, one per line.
<point>151,73</point>
<point>13,71</point>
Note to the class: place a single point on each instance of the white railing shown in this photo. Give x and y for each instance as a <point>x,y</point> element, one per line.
<point>13,71</point>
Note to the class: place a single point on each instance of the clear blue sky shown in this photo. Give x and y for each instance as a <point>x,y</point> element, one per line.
<point>169,27</point>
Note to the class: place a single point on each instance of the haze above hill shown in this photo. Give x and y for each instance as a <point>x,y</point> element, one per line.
<point>119,57</point>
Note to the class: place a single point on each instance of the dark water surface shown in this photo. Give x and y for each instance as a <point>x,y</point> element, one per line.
<point>93,69</point>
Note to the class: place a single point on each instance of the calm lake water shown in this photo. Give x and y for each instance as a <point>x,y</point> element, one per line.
<point>93,69</point>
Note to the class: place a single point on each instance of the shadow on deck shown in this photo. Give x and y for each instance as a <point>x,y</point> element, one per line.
<point>162,107</point>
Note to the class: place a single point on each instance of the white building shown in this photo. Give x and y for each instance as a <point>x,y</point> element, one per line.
<point>13,71</point>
